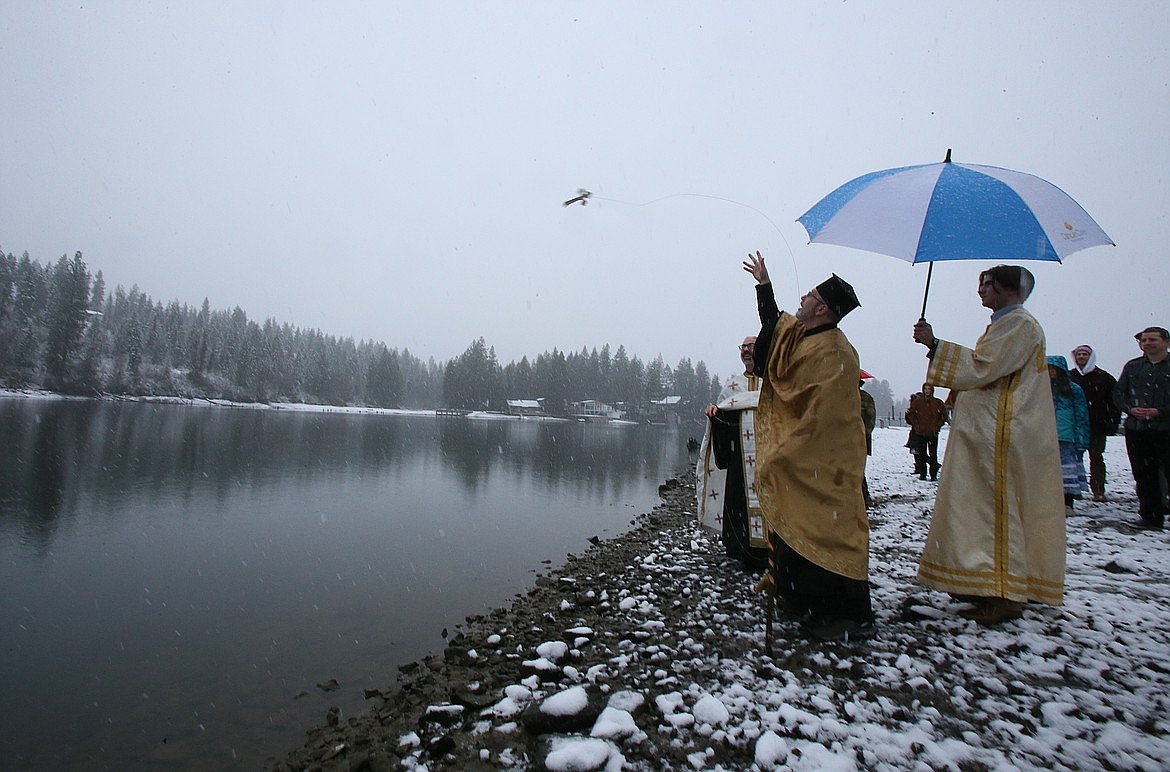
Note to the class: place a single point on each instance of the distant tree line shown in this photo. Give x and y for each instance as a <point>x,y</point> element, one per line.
<point>60,329</point>
<point>476,380</point>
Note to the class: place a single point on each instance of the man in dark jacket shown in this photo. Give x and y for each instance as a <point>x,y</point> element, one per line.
<point>1103,414</point>
<point>926,416</point>
<point>1143,394</point>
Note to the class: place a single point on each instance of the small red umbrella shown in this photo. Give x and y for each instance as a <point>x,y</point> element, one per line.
<point>865,375</point>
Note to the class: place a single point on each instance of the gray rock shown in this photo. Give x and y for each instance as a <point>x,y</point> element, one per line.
<point>550,743</point>
<point>473,698</point>
<point>443,715</point>
<point>537,720</point>
<point>541,668</point>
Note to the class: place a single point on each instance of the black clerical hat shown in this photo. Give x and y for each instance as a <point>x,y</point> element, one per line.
<point>838,295</point>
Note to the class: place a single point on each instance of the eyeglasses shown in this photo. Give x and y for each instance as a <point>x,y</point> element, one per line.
<point>747,347</point>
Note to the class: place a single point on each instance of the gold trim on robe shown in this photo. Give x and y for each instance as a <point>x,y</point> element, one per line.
<point>998,524</point>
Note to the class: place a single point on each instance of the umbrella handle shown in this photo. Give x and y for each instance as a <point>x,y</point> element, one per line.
<point>926,292</point>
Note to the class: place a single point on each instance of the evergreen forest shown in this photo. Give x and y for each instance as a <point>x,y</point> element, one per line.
<point>62,330</point>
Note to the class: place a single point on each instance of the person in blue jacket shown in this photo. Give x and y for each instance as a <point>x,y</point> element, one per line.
<point>1072,429</point>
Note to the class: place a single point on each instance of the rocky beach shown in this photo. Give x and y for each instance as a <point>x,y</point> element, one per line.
<point>646,652</point>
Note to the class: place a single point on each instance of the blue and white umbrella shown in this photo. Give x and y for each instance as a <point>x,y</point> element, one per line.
<point>952,211</point>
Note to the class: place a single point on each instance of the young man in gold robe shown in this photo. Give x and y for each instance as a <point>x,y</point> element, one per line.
<point>810,455</point>
<point>997,534</point>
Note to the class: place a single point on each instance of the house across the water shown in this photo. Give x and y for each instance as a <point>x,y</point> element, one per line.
<point>523,407</point>
<point>592,410</point>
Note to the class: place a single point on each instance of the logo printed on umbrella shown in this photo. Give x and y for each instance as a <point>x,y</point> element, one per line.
<point>1072,234</point>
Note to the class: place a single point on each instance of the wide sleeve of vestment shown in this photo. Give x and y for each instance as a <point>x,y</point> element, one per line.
<point>725,438</point>
<point>1006,347</point>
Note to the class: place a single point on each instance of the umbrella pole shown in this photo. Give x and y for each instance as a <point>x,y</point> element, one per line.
<point>926,292</point>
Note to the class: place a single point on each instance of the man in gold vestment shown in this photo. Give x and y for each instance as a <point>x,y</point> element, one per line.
<point>811,458</point>
<point>997,535</point>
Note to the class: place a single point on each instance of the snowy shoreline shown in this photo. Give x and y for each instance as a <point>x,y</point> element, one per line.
<point>300,407</point>
<point>646,652</point>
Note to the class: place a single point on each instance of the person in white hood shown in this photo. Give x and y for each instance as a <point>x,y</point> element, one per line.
<point>1103,413</point>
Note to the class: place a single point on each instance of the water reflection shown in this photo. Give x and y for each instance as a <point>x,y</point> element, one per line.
<point>174,575</point>
<point>592,459</point>
<point>114,450</point>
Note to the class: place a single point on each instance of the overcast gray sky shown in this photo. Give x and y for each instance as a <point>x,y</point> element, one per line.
<point>395,171</point>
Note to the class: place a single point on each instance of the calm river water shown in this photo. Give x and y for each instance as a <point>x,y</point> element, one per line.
<point>177,579</point>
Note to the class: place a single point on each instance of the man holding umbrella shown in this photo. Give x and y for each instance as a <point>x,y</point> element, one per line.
<point>810,455</point>
<point>997,534</point>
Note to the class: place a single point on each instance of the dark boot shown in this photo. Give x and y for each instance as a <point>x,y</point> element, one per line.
<point>961,598</point>
<point>838,629</point>
<point>993,611</point>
